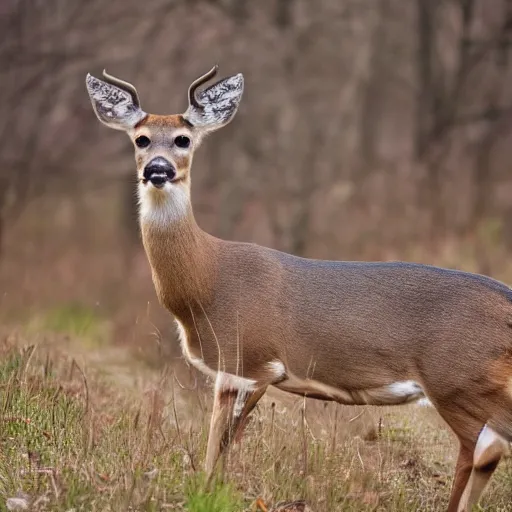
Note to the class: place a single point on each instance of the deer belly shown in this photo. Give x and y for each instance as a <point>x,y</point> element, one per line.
<point>275,373</point>
<point>394,393</point>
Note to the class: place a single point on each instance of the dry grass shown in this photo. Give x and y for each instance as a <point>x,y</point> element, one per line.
<point>133,439</point>
<point>83,429</point>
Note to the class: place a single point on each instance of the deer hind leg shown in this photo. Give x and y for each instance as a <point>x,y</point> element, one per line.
<point>481,448</point>
<point>234,399</point>
<point>489,449</point>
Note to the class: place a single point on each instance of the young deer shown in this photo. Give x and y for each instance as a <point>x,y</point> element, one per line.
<point>356,333</point>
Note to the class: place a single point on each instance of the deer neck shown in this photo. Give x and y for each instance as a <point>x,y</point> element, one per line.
<point>182,256</point>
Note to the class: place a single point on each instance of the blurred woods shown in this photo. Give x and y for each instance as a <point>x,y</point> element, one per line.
<point>369,129</point>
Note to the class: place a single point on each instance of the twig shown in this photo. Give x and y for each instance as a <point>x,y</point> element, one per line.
<point>358,416</point>
<point>304,441</point>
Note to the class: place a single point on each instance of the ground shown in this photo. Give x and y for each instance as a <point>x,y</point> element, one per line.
<point>92,427</point>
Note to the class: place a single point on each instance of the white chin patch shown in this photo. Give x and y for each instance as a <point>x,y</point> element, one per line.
<point>162,205</point>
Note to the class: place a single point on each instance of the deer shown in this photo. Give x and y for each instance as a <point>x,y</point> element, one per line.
<point>357,333</point>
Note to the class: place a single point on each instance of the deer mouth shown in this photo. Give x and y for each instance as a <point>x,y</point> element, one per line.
<point>158,180</point>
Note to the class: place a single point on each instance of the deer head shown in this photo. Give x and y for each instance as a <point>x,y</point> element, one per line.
<point>165,144</point>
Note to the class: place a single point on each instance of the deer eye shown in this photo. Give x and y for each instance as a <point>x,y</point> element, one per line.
<point>142,141</point>
<point>182,141</point>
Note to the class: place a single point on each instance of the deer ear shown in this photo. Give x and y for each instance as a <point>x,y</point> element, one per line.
<point>215,106</point>
<point>114,101</point>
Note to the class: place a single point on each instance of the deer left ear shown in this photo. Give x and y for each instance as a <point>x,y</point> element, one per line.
<point>216,106</point>
<point>115,102</point>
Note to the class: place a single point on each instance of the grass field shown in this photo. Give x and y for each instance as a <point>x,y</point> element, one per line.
<point>88,427</point>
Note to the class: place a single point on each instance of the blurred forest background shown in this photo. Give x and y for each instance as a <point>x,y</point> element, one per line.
<point>369,129</point>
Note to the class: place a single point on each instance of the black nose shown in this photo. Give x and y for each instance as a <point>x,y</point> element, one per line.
<point>158,171</point>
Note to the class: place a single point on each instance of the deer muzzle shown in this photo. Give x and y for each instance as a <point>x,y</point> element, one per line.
<point>158,172</point>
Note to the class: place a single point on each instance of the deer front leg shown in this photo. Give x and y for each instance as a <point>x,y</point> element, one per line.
<point>234,399</point>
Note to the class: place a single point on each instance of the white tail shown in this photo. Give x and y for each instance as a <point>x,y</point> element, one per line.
<point>356,333</point>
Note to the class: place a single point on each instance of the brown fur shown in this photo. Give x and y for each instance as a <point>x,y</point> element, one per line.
<point>500,372</point>
<point>337,330</point>
<point>160,121</point>
<point>184,261</point>
<point>347,325</point>
<point>352,326</point>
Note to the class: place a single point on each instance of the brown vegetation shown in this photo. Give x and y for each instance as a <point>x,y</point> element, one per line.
<point>96,430</point>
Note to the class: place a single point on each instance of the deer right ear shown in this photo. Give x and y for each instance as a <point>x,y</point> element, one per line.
<point>114,101</point>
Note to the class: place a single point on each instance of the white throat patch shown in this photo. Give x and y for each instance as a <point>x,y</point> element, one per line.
<point>161,207</point>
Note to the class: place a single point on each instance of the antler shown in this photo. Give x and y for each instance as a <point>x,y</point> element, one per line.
<point>197,83</point>
<point>129,88</point>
